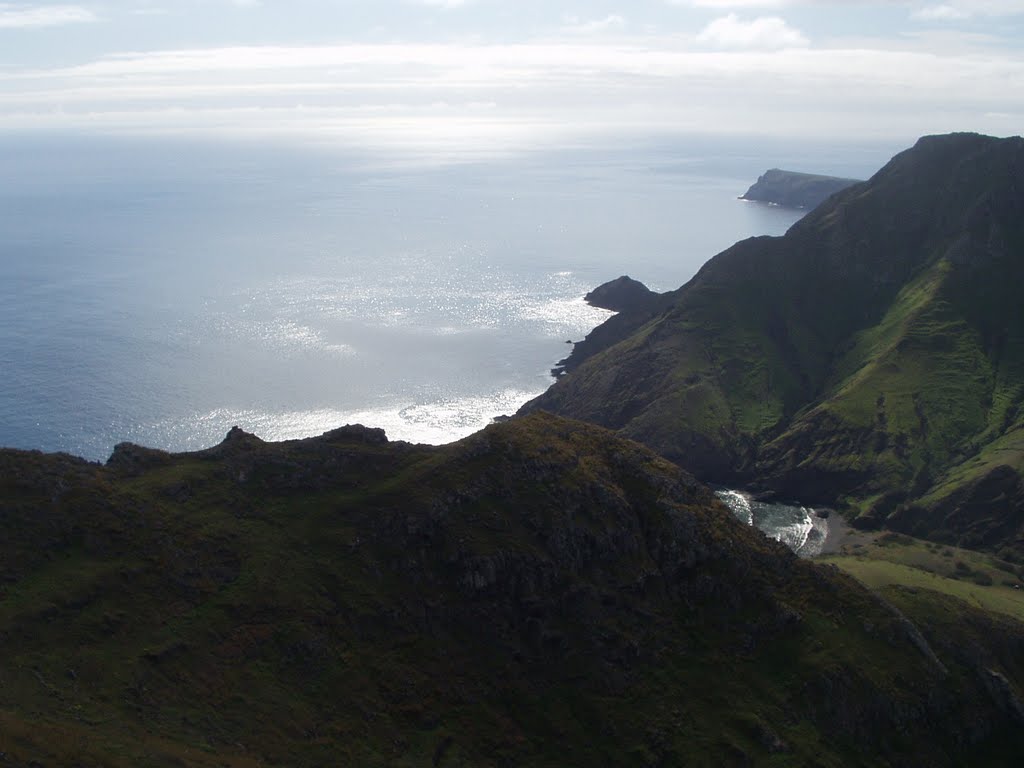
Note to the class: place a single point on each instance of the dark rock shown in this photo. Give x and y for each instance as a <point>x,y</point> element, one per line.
<point>357,433</point>
<point>236,442</point>
<point>623,294</point>
<point>135,459</point>
<point>1003,694</point>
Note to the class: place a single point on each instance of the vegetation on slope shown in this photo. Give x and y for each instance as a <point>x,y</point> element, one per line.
<point>894,559</point>
<point>873,357</point>
<point>542,593</point>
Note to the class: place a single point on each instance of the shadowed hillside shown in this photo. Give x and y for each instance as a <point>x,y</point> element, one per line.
<point>542,593</point>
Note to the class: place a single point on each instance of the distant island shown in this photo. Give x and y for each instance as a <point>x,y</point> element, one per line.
<point>795,190</point>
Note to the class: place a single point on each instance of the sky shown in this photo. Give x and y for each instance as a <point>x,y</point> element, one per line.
<point>494,76</point>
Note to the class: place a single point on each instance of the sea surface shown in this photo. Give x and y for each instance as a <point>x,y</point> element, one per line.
<point>796,526</point>
<point>160,291</point>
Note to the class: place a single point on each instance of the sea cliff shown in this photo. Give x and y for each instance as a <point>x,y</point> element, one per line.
<point>795,190</point>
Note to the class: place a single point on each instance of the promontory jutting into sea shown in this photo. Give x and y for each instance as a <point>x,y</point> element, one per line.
<point>174,289</point>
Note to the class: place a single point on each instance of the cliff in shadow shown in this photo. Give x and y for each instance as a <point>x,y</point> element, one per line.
<point>542,593</point>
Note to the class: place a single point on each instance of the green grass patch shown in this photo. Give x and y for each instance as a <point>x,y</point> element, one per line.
<point>974,577</point>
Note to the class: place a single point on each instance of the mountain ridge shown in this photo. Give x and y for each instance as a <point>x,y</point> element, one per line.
<point>541,593</point>
<point>758,372</point>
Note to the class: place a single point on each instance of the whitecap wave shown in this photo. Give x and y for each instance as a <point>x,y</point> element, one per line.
<point>739,503</point>
<point>798,527</point>
<point>814,542</point>
<point>792,533</point>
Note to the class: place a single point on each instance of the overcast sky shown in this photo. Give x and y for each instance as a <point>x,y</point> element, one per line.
<point>500,75</point>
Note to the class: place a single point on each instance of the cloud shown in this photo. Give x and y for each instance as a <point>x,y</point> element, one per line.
<point>25,16</point>
<point>442,3</point>
<point>573,24</point>
<point>763,32</point>
<point>941,13</point>
<point>949,10</point>
<point>461,98</point>
<point>732,3</point>
<point>956,10</point>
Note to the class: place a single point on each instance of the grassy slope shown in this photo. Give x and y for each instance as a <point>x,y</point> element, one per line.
<point>966,601</point>
<point>539,594</point>
<point>910,396</point>
<point>1005,450</point>
<point>936,378</point>
<point>976,578</point>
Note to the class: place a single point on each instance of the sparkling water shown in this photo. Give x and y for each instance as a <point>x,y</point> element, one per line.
<point>798,527</point>
<point>161,292</point>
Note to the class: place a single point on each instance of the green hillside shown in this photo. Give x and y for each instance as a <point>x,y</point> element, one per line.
<point>540,594</point>
<point>872,358</point>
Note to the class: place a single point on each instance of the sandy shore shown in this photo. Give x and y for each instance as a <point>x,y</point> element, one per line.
<point>842,536</point>
<point>839,531</point>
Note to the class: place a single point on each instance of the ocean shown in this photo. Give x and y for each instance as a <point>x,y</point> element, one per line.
<point>798,527</point>
<point>161,291</point>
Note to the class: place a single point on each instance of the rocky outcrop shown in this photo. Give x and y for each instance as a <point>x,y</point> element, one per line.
<point>634,304</point>
<point>623,294</point>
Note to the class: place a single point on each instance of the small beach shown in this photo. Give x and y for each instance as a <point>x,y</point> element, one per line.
<point>842,537</point>
<point>836,534</point>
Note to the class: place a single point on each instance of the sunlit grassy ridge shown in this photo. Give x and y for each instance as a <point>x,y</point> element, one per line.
<point>871,358</point>
<point>980,580</point>
<point>542,593</point>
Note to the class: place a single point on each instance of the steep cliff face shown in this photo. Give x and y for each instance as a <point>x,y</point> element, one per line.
<point>542,593</point>
<point>873,355</point>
